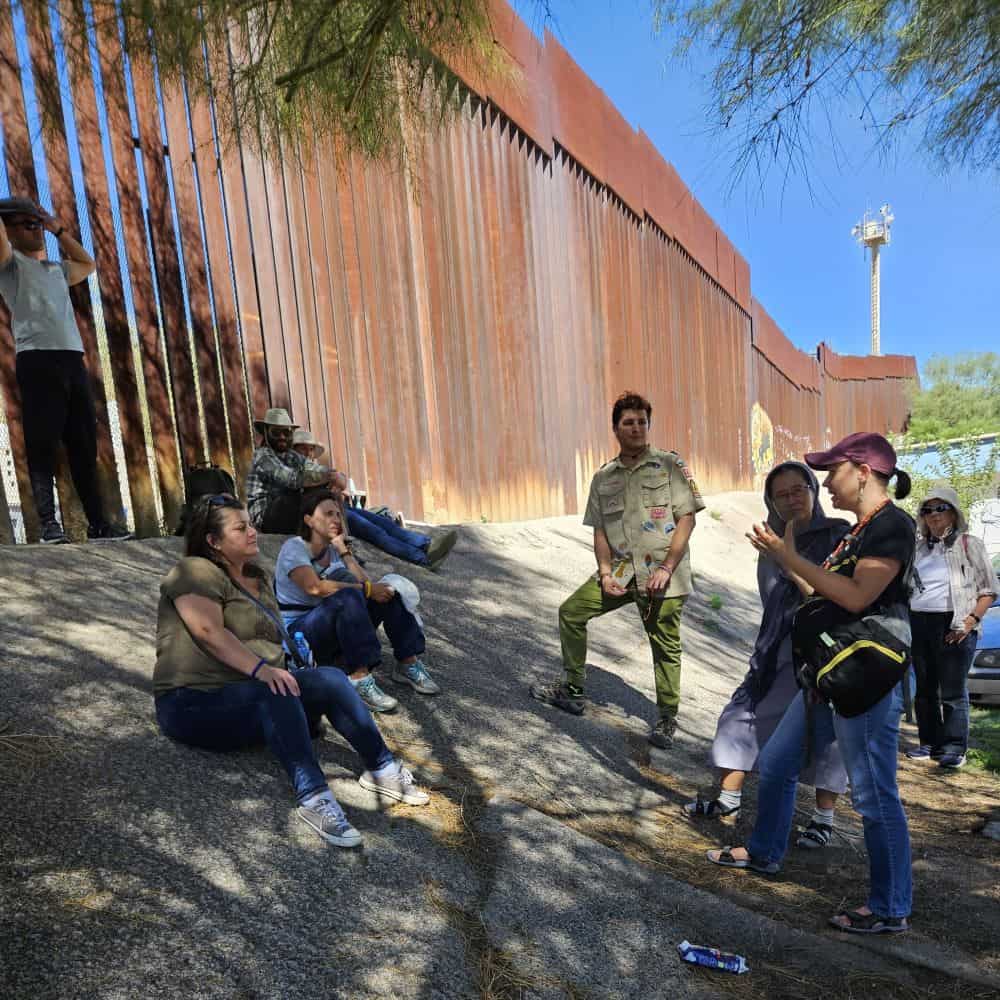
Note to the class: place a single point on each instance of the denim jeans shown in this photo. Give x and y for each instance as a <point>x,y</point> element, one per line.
<point>868,744</point>
<point>247,713</point>
<point>942,701</point>
<point>385,534</point>
<point>344,624</point>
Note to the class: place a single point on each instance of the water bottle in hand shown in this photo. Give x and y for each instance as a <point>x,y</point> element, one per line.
<point>305,653</point>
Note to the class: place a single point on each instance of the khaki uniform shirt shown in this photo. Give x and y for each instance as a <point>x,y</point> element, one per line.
<point>638,508</point>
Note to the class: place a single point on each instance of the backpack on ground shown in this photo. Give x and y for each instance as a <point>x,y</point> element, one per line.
<point>201,480</point>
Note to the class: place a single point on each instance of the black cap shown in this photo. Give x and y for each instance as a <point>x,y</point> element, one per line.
<point>20,206</point>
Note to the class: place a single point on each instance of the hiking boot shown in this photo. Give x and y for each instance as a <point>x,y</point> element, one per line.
<point>399,786</point>
<point>53,534</point>
<point>922,752</point>
<point>415,674</point>
<point>439,548</point>
<point>952,760</point>
<point>373,696</point>
<point>108,533</point>
<point>327,818</point>
<point>662,734</point>
<point>561,695</point>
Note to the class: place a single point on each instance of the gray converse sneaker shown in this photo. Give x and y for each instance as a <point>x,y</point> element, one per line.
<point>399,786</point>
<point>327,818</point>
<point>373,696</point>
<point>415,674</point>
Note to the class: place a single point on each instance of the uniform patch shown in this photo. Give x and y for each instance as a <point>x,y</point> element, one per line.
<point>668,526</point>
<point>658,513</point>
<point>649,526</point>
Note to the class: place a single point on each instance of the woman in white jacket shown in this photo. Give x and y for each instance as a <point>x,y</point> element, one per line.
<point>953,585</point>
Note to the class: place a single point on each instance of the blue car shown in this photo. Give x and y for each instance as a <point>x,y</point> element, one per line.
<point>984,675</point>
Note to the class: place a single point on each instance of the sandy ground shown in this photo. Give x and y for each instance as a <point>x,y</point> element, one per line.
<point>552,862</point>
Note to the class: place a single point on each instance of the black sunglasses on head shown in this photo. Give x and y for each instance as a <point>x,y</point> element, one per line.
<point>938,508</point>
<point>223,500</point>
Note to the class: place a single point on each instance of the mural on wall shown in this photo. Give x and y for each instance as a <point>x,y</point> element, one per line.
<point>761,444</point>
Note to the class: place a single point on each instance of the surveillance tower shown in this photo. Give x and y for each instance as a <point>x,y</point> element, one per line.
<point>873,234</point>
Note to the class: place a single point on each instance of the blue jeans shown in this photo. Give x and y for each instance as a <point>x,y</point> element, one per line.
<point>868,744</point>
<point>344,624</point>
<point>942,701</point>
<point>247,713</point>
<point>385,534</point>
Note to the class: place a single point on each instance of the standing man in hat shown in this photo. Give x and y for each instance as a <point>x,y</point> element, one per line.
<point>642,508</point>
<point>279,474</point>
<point>57,406</point>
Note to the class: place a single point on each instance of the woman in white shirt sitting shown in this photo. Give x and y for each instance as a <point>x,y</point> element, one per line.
<point>953,585</point>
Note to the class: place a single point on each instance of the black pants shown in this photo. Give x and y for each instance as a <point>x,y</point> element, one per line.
<point>942,701</point>
<point>57,408</point>
<point>283,514</point>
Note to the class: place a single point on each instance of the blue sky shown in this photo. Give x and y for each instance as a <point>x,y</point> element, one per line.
<point>940,274</point>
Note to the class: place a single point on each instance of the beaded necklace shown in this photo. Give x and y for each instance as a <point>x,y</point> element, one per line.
<point>853,533</point>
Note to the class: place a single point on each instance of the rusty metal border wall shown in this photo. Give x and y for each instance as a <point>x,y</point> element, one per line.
<point>455,336</point>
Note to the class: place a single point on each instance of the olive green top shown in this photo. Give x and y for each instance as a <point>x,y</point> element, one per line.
<point>638,508</point>
<point>180,661</point>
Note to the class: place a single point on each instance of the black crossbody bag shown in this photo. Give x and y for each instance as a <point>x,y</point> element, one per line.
<point>851,661</point>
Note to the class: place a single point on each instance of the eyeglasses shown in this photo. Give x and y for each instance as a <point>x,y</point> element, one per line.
<point>937,508</point>
<point>795,493</point>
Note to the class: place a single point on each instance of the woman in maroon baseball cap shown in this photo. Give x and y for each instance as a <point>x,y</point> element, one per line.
<point>865,575</point>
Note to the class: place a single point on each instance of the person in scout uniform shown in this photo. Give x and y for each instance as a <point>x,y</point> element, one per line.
<point>642,508</point>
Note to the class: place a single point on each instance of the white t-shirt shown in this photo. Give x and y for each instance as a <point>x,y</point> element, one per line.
<point>933,570</point>
<point>41,314</point>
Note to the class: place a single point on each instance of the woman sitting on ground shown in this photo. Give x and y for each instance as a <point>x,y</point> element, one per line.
<point>865,575</point>
<point>324,594</point>
<point>757,705</point>
<point>221,681</point>
<point>953,585</point>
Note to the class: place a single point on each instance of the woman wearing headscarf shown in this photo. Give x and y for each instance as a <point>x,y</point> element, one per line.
<point>757,705</point>
<point>953,585</point>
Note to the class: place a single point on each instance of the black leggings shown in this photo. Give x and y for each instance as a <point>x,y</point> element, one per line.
<point>57,407</point>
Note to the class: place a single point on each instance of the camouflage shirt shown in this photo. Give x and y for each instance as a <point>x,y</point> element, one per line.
<point>638,508</point>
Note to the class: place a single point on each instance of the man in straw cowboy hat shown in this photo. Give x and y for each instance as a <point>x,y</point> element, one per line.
<point>279,474</point>
<point>57,406</point>
<point>376,529</point>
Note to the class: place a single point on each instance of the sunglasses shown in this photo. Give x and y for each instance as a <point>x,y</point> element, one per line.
<point>224,500</point>
<point>938,508</point>
<point>22,223</point>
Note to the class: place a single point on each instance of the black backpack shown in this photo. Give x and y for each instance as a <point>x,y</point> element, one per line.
<point>200,480</point>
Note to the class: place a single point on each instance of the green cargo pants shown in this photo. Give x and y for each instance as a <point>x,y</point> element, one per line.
<point>662,624</point>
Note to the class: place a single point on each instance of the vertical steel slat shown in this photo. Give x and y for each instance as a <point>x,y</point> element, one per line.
<point>153,371</point>
<point>168,275</point>
<point>192,247</point>
<point>21,172</point>
<point>234,384</point>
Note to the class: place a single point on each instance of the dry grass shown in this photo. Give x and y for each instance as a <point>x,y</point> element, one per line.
<point>27,746</point>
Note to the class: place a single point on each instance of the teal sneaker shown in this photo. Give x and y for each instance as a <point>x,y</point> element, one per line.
<point>415,674</point>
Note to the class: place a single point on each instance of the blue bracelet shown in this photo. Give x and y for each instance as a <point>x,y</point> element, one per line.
<point>260,663</point>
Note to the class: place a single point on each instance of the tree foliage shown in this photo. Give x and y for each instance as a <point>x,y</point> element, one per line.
<point>361,71</point>
<point>932,63</point>
<point>959,397</point>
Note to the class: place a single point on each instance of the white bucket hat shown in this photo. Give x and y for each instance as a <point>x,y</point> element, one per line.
<point>303,436</point>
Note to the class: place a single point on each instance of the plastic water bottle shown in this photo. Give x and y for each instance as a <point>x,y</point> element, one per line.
<point>302,647</point>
